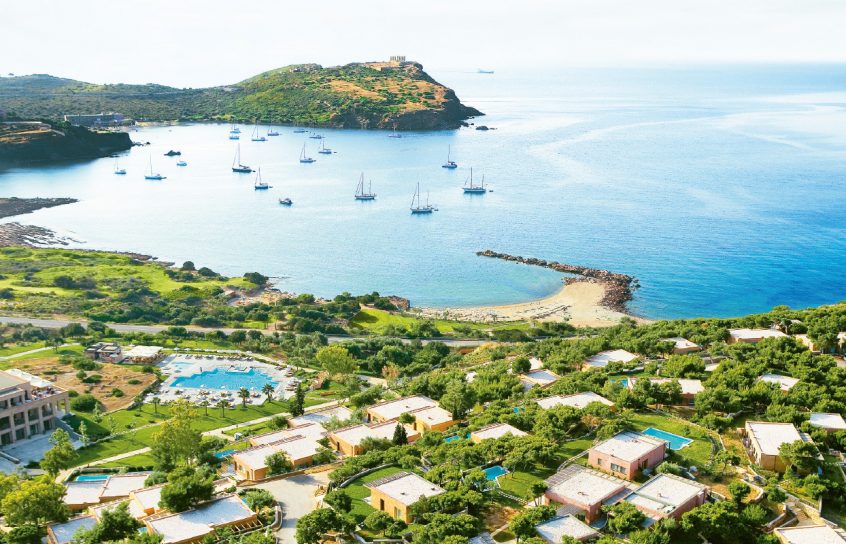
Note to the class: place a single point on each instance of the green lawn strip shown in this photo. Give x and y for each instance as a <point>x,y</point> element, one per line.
<point>142,460</point>
<point>358,492</point>
<point>377,320</point>
<point>69,350</point>
<point>696,453</point>
<point>20,348</point>
<point>519,482</point>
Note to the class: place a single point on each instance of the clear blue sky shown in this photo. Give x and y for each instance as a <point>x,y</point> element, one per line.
<point>207,42</point>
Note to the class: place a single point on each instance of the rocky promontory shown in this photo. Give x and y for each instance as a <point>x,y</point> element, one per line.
<point>23,142</point>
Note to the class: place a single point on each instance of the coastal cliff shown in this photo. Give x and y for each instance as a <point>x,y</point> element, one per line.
<point>375,95</point>
<point>40,142</point>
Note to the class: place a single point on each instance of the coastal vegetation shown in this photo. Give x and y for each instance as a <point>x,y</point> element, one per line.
<point>56,140</point>
<point>357,95</point>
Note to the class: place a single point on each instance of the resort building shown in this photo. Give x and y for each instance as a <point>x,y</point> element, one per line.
<point>752,336</point>
<point>107,352</point>
<point>144,355</point>
<point>540,378</point>
<point>578,400</point>
<point>195,524</point>
<point>29,405</point>
<point>251,464</point>
<point>689,387</point>
<point>82,494</point>
<point>433,418</point>
<point>828,422</point>
<point>584,491</point>
<point>62,533</point>
<point>554,530</point>
<point>763,439</point>
<point>603,358</point>
<point>668,496</point>
<point>628,453</point>
<point>337,413</point>
<point>395,494</point>
<point>785,383</point>
<point>347,440</point>
<point>392,409</point>
<point>496,430</point>
<point>682,346</point>
<point>809,534</point>
<point>313,431</point>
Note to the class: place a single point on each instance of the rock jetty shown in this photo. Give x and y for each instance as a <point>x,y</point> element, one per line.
<point>619,288</point>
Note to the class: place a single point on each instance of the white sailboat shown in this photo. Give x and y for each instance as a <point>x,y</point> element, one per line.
<point>272,131</point>
<point>395,134</point>
<point>417,206</point>
<point>236,163</point>
<point>153,175</point>
<point>360,194</point>
<point>260,185</point>
<point>298,129</point>
<point>473,189</point>
<point>118,170</point>
<point>450,164</point>
<point>323,149</point>
<point>256,137</point>
<point>234,129</point>
<point>305,159</point>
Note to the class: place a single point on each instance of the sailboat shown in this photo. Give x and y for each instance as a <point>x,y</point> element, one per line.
<point>323,149</point>
<point>304,159</point>
<point>236,163</point>
<point>234,136</point>
<point>234,129</point>
<point>259,185</point>
<point>316,136</point>
<point>395,134</point>
<point>417,207</point>
<point>471,188</point>
<point>449,163</point>
<point>359,190</point>
<point>298,129</point>
<point>151,175</point>
<point>118,170</point>
<point>255,137</point>
<point>272,131</point>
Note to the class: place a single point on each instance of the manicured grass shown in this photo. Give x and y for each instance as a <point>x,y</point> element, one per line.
<point>697,453</point>
<point>20,348</point>
<point>69,350</point>
<point>519,483</point>
<point>358,492</point>
<point>377,320</point>
<point>142,460</point>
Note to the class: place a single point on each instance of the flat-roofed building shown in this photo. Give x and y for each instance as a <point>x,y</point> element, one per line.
<point>828,421</point>
<point>584,490</point>
<point>392,409</point>
<point>668,496</point>
<point>337,413</point>
<point>628,453</point>
<point>195,524</point>
<point>119,486</point>
<point>29,405</point>
<point>62,533</point>
<point>752,336</point>
<point>81,495</point>
<point>577,400</point>
<point>395,494</point>
<point>689,387</point>
<point>314,431</point>
<point>432,418</point>
<point>347,440</point>
<point>144,355</point>
<point>763,440</point>
<point>554,530</point>
<point>785,383</point>
<point>682,346</point>
<point>604,358</point>
<point>108,352</point>
<point>809,534</point>
<point>251,463</point>
<point>495,430</point>
<point>539,378</point>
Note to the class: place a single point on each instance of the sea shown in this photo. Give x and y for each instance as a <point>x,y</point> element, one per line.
<point>721,188</point>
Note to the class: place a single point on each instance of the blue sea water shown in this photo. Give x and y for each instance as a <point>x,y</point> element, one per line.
<point>720,188</point>
<point>220,378</point>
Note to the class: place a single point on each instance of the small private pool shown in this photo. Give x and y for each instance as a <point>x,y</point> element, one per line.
<point>91,478</point>
<point>224,453</point>
<point>494,472</point>
<point>676,442</point>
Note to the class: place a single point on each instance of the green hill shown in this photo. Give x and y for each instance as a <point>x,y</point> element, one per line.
<point>358,95</point>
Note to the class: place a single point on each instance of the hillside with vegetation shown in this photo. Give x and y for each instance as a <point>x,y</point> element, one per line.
<point>360,95</point>
<point>38,142</point>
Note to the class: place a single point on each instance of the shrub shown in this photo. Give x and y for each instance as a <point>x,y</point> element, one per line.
<point>84,403</point>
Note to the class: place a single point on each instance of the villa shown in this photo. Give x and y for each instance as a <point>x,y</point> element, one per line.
<point>347,440</point>
<point>627,453</point>
<point>828,422</point>
<point>668,496</point>
<point>29,405</point>
<point>337,413</point>
<point>554,530</point>
<point>752,336</point>
<point>194,525</point>
<point>540,378</point>
<point>432,418</point>
<point>62,533</point>
<point>682,346</point>
<point>584,491</point>
<point>578,400</point>
<point>251,464</point>
<point>108,352</point>
<point>763,440</point>
<point>392,409</point>
<point>80,495</point>
<point>809,534</point>
<point>603,358</point>
<point>496,430</point>
<point>689,387</point>
<point>395,494</point>
<point>785,383</point>
<point>313,431</point>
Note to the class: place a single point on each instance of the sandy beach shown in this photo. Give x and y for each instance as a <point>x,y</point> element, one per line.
<point>578,302</point>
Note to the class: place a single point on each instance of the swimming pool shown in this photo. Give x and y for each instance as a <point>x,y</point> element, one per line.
<point>229,380</point>
<point>676,442</point>
<point>455,437</point>
<point>180,365</point>
<point>91,478</point>
<point>224,453</point>
<point>492,473</point>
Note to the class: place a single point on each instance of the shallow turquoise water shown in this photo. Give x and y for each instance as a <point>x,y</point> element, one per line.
<point>492,473</point>
<point>219,378</point>
<point>676,442</point>
<point>91,478</point>
<point>720,189</point>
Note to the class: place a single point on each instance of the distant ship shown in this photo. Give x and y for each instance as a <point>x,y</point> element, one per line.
<point>359,190</point>
<point>118,170</point>
<point>485,71</point>
<point>152,175</point>
<point>304,159</point>
<point>471,188</point>
<point>323,149</point>
<point>449,163</point>
<point>417,207</point>
<point>259,185</point>
<point>236,163</point>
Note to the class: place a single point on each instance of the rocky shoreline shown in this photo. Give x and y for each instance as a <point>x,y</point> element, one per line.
<point>18,206</point>
<point>619,288</point>
<point>16,234</point>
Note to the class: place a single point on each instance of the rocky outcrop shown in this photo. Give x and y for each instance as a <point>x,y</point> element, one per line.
<point>20,144</point>
<point>17,206</point>
<point>16,234</point>
<point>619,288</point>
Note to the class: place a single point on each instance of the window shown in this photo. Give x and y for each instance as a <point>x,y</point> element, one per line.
<point>618,468</point>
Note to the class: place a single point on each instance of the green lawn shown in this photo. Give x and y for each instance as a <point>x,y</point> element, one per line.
<point>375,320</point>
<point>697,453</point>
<point>519,483</point>
<point>358,492</point>
<point>19,348</point>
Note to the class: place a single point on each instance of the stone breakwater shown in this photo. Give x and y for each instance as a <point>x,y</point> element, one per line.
<point>619,288</point>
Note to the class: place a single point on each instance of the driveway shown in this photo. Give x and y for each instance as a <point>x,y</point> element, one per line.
<point>296,495</point>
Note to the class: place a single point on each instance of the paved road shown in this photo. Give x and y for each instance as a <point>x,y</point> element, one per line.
<point>153,329</point>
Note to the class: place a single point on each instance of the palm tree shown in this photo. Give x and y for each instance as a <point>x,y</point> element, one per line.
<point>268,389</point>
<point>223,404</point>
<point>244,393</point>
<point>156,401</point>
<point>205,404</point>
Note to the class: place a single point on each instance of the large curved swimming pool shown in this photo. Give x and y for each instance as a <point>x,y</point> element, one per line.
<point>229,380</point>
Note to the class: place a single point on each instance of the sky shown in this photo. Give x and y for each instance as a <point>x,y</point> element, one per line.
<point>194,43</point>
